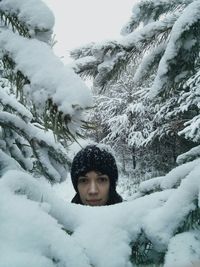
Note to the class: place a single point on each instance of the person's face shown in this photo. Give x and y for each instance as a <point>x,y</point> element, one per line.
<point>93,188</point>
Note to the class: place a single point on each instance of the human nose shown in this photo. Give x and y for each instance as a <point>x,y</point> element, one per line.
<point>93,188</point>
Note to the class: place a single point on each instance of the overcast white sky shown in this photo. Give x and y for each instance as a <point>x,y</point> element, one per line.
<point>78,22</point>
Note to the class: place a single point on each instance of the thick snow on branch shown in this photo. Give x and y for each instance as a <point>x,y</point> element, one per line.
<point>189,155</point>
<point>187,253</point>
<point>146,33</point>
<point>84,63</point>
<point>49,78</point>
<point>148,61</point>
<point>113,228</point>
<point>43,143</point>
<point>172,179</point>
<point>146,11</point>
<point>12,103</point>
<point>34,13</point>
<point>174,210</point>
<point>32,224</point>
<point>30,131</point>
<point>189,17</point>
<point>192,129</point>
<point>110,54</point>
<point>7,163</point>
<point>31,237</point>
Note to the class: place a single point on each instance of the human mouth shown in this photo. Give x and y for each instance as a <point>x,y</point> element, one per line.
<point>93,202</point>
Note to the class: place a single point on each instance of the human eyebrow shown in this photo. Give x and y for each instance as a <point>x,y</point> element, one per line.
<point>101,174</point>
<point>103,177</point>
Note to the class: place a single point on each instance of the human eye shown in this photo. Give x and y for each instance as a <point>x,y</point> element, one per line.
<point>103,178</point>
<point>82,180</point>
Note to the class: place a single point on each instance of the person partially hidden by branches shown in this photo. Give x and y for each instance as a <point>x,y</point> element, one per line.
<point>94,175</point>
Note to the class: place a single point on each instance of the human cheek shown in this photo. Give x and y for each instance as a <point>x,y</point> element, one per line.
<point>82,191</point>
<point>105,190</point>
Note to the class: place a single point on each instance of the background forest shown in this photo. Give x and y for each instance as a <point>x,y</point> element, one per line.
<point>145,87</point>
<point>145,106</point>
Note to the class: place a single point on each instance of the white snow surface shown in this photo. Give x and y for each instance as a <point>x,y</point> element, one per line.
<point>33,218</point>
<point>188,252</point>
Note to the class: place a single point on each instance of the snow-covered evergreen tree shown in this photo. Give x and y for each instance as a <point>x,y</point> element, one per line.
<point>159,227</point>
<point>40,98</point>
<point>160,46</point>
<point>161,40</point>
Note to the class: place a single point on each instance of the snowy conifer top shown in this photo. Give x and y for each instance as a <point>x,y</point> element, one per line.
<point>34,13</point>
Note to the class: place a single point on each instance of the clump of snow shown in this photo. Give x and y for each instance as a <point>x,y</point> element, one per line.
<point>31,210</point>
<point>29,235</point>
<point>106,224</point>
<point>7,163</point>
<point>171,179</point>
<point>184,250</point>
<point>65,190</point>
<point>136,37</point>
<point>34,13</point>
<point>173,212</point>
<point>80,63</point>
<point>151,185</point>
<point>49,78</point>
<point>189,155</point>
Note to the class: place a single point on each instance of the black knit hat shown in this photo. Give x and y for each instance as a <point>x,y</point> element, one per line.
<point>94,158</point>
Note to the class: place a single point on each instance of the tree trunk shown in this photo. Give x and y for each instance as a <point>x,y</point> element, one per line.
<point>133,157</point>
